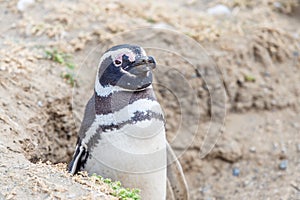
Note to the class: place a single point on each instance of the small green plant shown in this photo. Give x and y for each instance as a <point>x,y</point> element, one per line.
<point>119,191</point>
<point>69,77</point>
<point>150,20</point>
<point>249,78</point>
<point>64,59</point>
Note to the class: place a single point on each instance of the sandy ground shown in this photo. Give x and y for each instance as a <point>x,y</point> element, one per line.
<point>256,48</point>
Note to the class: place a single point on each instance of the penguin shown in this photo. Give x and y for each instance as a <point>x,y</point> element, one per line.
<point>122,134</point>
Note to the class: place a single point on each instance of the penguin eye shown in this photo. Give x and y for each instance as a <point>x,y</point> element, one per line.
<point>118,62</point>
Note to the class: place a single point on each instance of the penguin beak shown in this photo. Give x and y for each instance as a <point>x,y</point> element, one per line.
<point>143,64</point>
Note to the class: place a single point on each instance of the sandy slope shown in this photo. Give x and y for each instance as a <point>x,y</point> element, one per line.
<point>256,49</point>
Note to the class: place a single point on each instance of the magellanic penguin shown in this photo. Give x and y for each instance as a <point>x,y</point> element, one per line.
<point>122,135</point>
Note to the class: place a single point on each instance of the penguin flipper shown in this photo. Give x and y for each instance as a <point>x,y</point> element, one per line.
<point>176,179</point>
<point>79,158</point>
<point>81,150</point>
<point>88,118</point>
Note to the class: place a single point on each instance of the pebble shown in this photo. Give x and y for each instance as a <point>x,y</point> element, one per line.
<point>275,145</point>
<point>24,4</point>
<point>40,103</point>
<point>235,171</point>
<point>267,74</point>
<point>277,4</point>
<point>252,149</point>
<point>283,164</point>
<point>247,183</point>
<point>2,145</point>
<point>219,9</point>
<point>295,125</point>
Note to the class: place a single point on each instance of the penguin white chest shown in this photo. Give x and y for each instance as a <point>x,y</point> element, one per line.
<point>142,137</point>
<point>135,133</point>
<point>133,152</point>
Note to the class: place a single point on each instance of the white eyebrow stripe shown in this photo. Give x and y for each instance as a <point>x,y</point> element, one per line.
<point>113,54</point>
<point>143,52</point>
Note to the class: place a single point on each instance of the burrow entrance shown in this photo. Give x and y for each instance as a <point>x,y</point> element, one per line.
<point>54,134</point>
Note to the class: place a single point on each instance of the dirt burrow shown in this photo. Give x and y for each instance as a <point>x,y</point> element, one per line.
<point>56,138</point>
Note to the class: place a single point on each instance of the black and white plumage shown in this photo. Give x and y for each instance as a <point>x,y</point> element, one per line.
<point>122,135</point>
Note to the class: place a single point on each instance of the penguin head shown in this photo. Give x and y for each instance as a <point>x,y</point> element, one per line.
<point>125,67</point>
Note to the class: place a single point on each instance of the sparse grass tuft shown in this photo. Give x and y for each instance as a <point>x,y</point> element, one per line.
<point>150,20</point>
<point>64,59</point>
<point>69,78</point>
<point>119,191</point>
<point>249,78</point>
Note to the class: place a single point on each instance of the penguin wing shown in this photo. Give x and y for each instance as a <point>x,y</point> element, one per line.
<point>81,152</point>
<point>88,118</point>
<point>79,158</point>
<point>176,180</point>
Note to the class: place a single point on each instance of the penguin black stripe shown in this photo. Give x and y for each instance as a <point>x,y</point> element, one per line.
<point>139,116</point>
<point>118,100</point>
<point>112,121</point>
